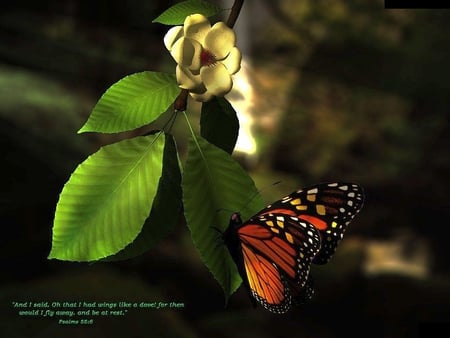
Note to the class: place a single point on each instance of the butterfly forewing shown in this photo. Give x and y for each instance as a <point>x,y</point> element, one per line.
<point>329,207</point>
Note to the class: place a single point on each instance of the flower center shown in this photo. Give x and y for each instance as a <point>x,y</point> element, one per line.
<point>207,58</point>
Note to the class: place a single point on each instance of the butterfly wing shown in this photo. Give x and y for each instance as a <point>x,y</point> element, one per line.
<point>329,207</point>
<point>275,248</point>
<point>304,294</point>
<point>277,251</point>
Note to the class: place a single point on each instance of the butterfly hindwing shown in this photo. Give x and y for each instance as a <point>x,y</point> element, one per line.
<point>304,294</point>
<point>277,251</point>
<point>265,282</point>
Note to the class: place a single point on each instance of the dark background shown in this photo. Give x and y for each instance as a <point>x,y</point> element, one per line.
<point>343,90</point>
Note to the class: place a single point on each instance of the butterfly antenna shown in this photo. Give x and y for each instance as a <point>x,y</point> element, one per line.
<point>219,241</point>
<point>217,229</point>
<point>258,192</point>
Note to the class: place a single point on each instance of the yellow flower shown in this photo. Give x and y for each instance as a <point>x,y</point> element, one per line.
<point>206,56</point>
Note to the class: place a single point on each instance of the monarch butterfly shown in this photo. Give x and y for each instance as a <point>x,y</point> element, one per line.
<point>275,248</point>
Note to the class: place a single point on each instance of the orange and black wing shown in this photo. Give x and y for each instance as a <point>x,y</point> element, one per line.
<point>274,249</point>
<point>329,207</point>
<point>277,251</point>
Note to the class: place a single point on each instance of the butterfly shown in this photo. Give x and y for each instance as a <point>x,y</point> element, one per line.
<point>275,248</point>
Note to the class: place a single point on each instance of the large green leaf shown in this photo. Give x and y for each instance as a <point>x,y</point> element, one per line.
<point>104,204</point>
<point>132,102</point>
<point>166,208</point>
<point>176,14</point>
<point>219,123</point>
<point>214,186</point>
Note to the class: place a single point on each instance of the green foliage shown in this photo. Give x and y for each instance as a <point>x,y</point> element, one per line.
<point>166,209</point>
<point>132,102</point>
<point>219,124</point>
<point>176,14</point>
<point>214,185</point>
<point>108,197</point>
<point>127,196</point>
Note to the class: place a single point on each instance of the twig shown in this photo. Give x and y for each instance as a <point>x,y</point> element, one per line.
<point>180,103</point>
<point>235,10</point>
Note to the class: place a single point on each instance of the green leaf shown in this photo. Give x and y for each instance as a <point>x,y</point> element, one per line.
<point>176,14</point>
<point>215,185</point>
<point>132,102</point>
<point>166,209</point>
<point>104,204</point>
<point>219,123</point>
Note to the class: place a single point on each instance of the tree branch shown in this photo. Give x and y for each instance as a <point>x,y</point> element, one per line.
<point>235,10</point>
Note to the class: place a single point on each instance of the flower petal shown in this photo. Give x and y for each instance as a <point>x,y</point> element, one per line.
<point>196,26</point>
<point>187,80</point>
<point>186,53</point>
<point>216,78</point>
<point>206,96</point>
<point>220,40</point>
<point>233,61</point>
<point>172,36</point>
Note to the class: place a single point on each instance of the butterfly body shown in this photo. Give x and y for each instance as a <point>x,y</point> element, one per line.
<point>275,248</point>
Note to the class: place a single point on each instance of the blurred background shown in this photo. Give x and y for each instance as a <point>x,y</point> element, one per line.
<point>330,90</point>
